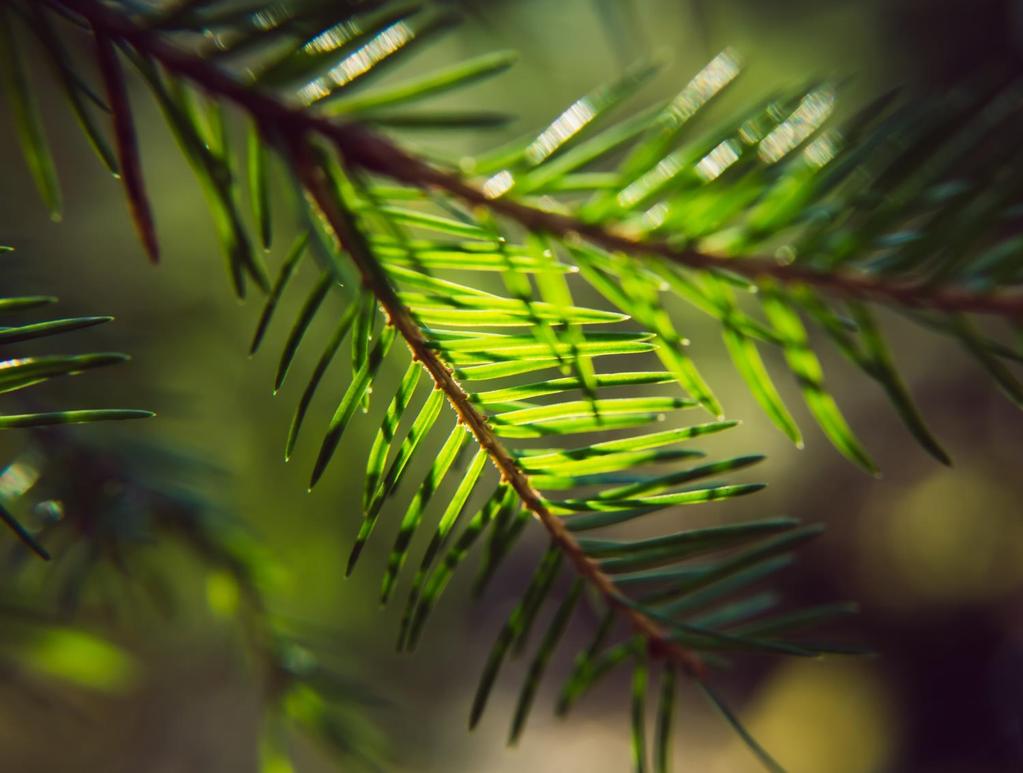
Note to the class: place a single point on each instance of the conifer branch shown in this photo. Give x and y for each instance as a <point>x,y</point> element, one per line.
<point>374,153</point>
<point>885,236</point>
<point>318,188</point>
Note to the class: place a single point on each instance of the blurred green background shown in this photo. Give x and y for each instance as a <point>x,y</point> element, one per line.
<point>935,555</point>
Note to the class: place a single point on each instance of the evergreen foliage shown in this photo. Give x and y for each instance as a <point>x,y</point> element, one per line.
<point>778,223</point>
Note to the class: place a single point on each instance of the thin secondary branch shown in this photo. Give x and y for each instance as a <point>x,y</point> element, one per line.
<point>377,154</point>
<point>319,188</point>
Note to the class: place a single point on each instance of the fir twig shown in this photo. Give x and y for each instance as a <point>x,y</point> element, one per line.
<point>371,152</point>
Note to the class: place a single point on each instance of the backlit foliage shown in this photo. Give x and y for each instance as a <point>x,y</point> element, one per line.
<point>779,221</point>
